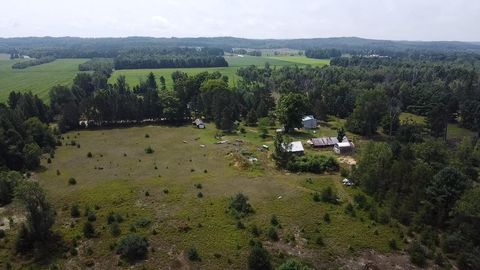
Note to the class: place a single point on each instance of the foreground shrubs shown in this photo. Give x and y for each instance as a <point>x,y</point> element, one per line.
<point>133,247</point>
<point>313,164</point>
<point>259,259</point>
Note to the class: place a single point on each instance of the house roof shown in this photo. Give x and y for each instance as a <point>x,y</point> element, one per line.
<point>308,117</point>
<point>296,146</point>
<point>324,141</point>
<point>344,144</point>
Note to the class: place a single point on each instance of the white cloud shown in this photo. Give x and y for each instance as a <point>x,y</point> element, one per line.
<point>386,19</point>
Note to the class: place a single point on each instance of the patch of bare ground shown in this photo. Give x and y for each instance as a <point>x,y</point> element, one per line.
<point>372,260</point>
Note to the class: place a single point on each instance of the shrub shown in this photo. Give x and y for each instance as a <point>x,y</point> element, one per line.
<point>255,231</point>
<point>72,181</point>
<point>49,160</point>
<point>393,244</point>
<point>75,211</point>
<point>147,193</point>
<point>88,230</point>
<point>89,154</point>
<point>200,195</point>
<point>114,217</point>
<point>192,254</point>
<point>2,234</point>
<point>350,210</point>
<point>417,254</point>
<point>326,217</point>
<point>149,150</point>
<point>319,241</point>
<point>240,225</point>
<point>272,234</point>
<point>274,220</point>
<point>259,259</point>
<point>292,264</point>
<point>143,222</point>
<point>91,216</point>
<point>240,205</point>
<point>316,197</point>
<point>199,186</point>
<point>147,136</point>
<point>360,200</point>
<point>133,247</point>
<point>329,196</point>
<point>383,218</point>
<point>115,229</point>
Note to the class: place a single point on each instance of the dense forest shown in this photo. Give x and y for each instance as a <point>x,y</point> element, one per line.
<point>426,182</point>
<point>170,58</point>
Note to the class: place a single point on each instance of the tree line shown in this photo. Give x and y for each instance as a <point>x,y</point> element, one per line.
<point>33,62</point>
<point>170,58</point>
<point>322,53</point>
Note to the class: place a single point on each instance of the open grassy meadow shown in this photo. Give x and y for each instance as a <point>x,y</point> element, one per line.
<point>454,131</point>
<point>38,79</point>
<point>159,196</point>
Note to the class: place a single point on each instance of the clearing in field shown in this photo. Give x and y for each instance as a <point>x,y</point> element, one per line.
<point>38,79</point>
<point>178,196</point>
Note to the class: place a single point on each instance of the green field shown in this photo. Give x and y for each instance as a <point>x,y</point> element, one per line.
<point>133,76</point>
<point>38,79</point>
<point>120,173</point>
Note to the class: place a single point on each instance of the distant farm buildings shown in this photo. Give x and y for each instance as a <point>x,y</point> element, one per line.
<point>309,122</point>
<point>199,123</point>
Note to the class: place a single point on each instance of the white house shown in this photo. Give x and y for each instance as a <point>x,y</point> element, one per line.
<point>295,147</point>
<point>343,147</point>
<point>309,122</point>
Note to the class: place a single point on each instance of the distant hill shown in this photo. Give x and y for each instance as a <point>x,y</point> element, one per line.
<point>110,47</point>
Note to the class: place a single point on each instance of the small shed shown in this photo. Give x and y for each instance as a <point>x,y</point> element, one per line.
<point>309,122</point>
<point>295,147</point>
<point>199,123</point>
<point>343,147</point>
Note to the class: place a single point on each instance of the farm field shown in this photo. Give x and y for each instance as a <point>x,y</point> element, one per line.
<point>133,76</point>
<point>38,79</point>
<point>157,197</point>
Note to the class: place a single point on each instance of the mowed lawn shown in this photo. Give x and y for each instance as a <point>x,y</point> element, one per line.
<point>172,215</point>
<point>38,79</point>
<point>134,76</point>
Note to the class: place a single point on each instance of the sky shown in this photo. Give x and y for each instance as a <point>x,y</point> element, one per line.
<point>379,19</point>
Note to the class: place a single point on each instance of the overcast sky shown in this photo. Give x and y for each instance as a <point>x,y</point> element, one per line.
<point>381,19</point>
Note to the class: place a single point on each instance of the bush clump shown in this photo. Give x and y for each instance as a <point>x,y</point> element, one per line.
<point>89,155</point>
<point>72,181</point>
<point>329,196</point>
<point>149,150</point>
<point>240,206</point>
<point>88,230</point>
<point>133,247</point>
<point>75,211</point>
<point>259,259</point>
<point>313,164</point>
<point>192,254</point>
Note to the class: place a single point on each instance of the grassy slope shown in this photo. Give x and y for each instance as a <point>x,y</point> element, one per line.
<point>38,79</point>
<point>134,76</point>
<point>120,186</point>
